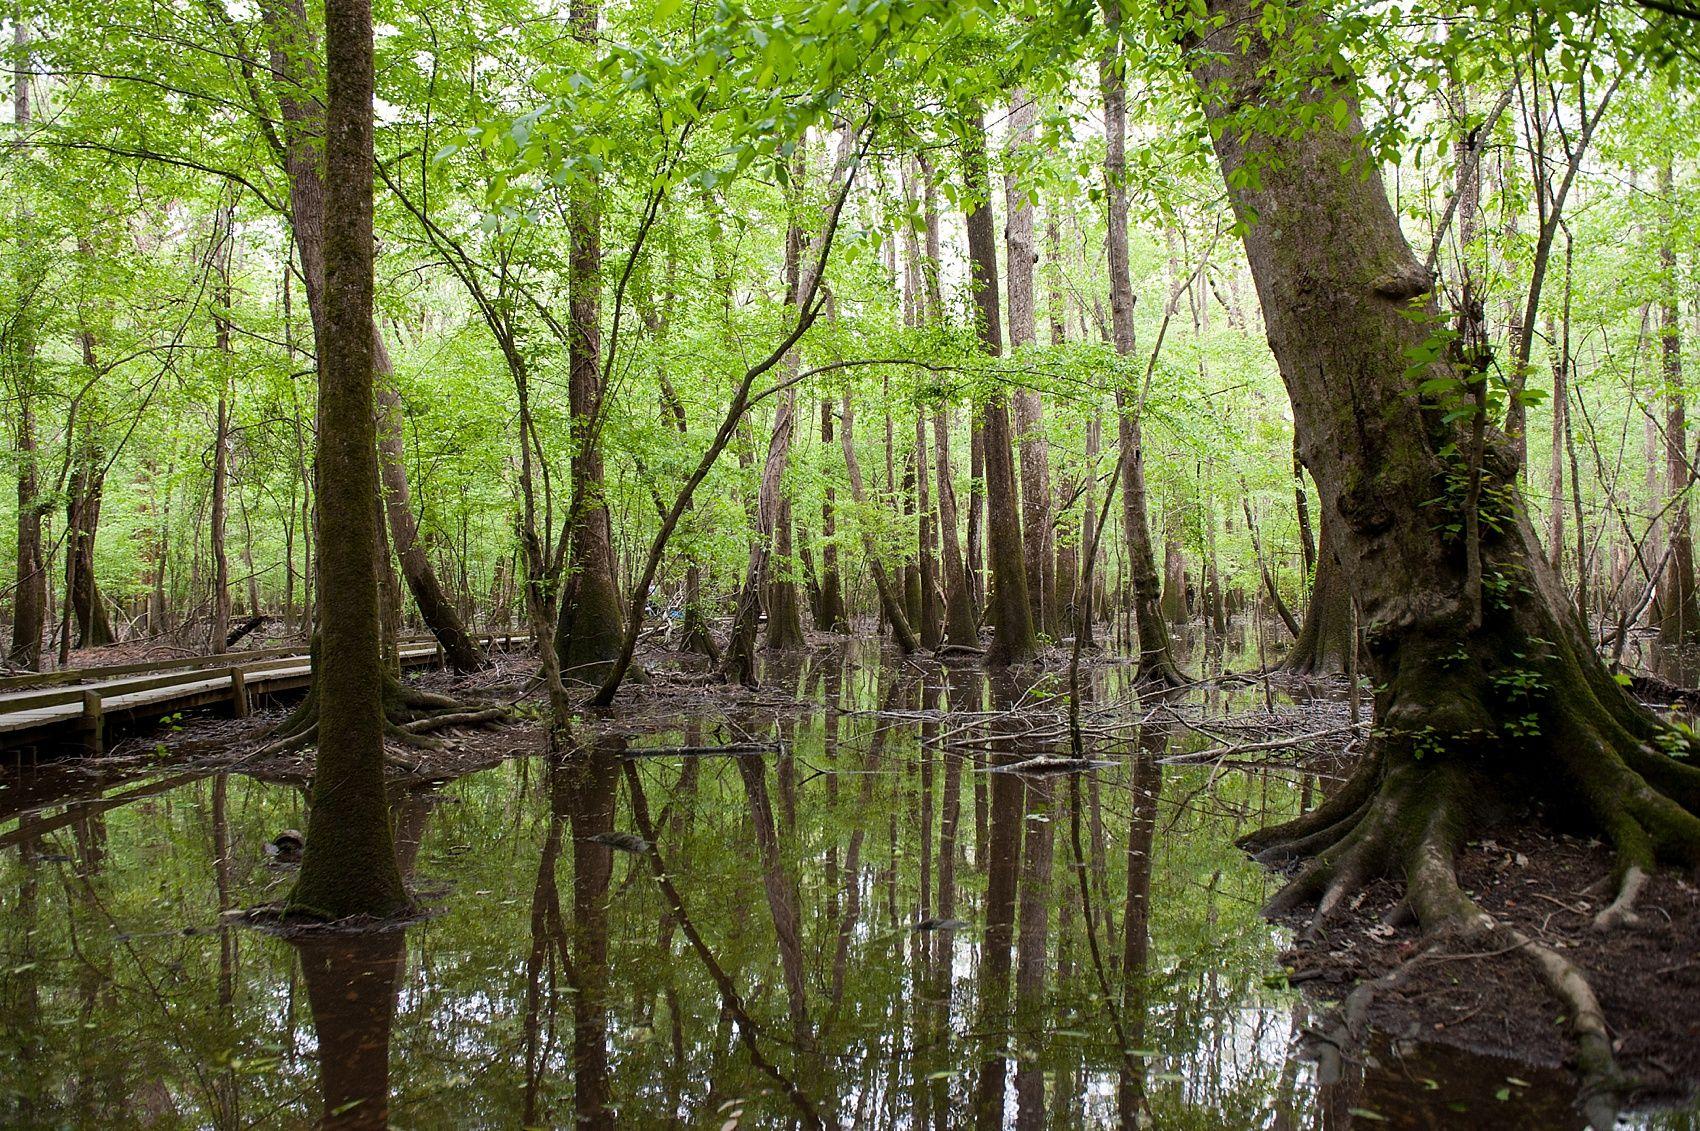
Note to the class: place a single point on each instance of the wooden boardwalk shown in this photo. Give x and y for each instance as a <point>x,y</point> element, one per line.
<point>75,707</point>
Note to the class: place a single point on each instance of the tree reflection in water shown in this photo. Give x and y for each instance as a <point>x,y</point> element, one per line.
<point>822,936</point>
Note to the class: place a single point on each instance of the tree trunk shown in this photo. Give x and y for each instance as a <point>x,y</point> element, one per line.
<point>1156,654</point>
<point>220,630</point>
<point>292,51</point>
<point>1038,542</point>
<point>1679,619</point>
<point>591,630</point>
<point>348,866</point>
<point>1012,633</point>
<point>1479,700</point>
<point>832,616</point>
<point>82,525</point>
<point>29,597</point>
<point>961,628</point>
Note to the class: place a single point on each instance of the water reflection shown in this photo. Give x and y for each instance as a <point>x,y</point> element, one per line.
<point>352,980</point>
<point>878,924</point>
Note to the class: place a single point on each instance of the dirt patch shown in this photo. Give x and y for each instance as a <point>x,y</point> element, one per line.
<point>1647,976</point>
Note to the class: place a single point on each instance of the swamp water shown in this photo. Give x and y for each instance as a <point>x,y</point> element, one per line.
<point>868,926</point>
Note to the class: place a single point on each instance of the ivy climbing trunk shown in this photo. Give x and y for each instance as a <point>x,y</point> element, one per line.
<point>1482,697</point>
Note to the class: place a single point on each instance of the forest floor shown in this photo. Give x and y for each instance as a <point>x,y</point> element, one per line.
<point>1646,975</point>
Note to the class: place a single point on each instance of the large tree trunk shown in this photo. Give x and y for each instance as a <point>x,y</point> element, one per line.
<point>348,867</point>
<point>1156,654</point>
<point>1012,632</point>
<point>1482,696</point>
<point>292,53</point>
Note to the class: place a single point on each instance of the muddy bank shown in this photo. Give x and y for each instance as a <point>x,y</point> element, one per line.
<point>1646,975</point>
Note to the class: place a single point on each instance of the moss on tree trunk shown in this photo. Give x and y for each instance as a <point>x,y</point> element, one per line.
<point>1490,692</point>
<point>348,866</point>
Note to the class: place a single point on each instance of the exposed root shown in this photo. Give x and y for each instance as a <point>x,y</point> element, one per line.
<point>1324,825</point>
<point>288,743</point>
<point>1621,911</point>
<point>1415,820</point>
<point>469,718</point>
<point>410,738</point>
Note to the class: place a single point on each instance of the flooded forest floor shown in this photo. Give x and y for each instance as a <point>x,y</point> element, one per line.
<point>874,892</point>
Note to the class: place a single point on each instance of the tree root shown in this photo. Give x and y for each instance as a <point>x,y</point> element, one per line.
<point>409,714</point>
<point>1621,911</point>
<point>1414,822</point>
<point>468,718</point>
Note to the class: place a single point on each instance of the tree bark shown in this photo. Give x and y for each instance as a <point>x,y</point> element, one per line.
<point>348,866</point>
<point>1012,632</point>
<point>589,636</point>
<point>1481,696</point>
<point>1679,611</point>
<point>294,74</point>
<point>1156,653</point>
<point>29,596</point>
<point>1038,540</point>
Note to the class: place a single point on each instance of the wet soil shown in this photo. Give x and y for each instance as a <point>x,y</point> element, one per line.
<point>1646,975</point>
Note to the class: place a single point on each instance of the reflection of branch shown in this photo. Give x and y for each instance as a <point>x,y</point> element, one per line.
<point>728,992</point>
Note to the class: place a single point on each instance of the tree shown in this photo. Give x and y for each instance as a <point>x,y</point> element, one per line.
<point>1156,653</point>
<point>348,865</point>
<point>1491,693</point>
<point>1012,632</point>
<point>29,601</point>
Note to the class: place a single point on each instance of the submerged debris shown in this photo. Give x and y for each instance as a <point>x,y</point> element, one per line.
<point>285,847</point>
<point>625,842</point>
<point>932,923</point>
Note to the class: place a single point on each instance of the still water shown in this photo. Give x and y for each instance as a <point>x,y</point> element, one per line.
<point>868,923</point>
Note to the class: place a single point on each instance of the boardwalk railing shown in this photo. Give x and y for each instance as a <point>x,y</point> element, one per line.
<point>78,703</point>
